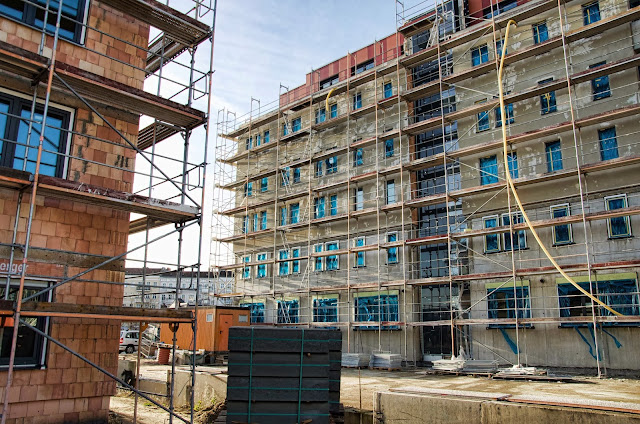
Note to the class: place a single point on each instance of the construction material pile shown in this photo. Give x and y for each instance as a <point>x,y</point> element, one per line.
<point>385,361</point>
<point>480,366</point>
<point>281,375</point>
<point>355,360</point>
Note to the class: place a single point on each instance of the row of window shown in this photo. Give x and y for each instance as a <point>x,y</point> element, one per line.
<point>608,144</point>
<point>618,227</point>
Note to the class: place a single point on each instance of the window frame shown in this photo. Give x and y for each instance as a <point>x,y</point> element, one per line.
<point>358,204</point>
<point>387,90</point>
<point>294,213</point>
<point>392,250</point>
<point>487,177</point>
<point>549,156</point>
<point>283,265</point>
<point>587,13</point>
<point>597,90</point>
<point>481,53</point>
<point>614,143</point>
<point>357,101</point>
<point>295,262</point>
<point>496,235</point>
<point>537,38</point>
<point>481,116</point>
<point>359,255</point>
<point>321,115</point>
<point>390,192</point>
<point>262,267</point>
<point>333,111</point>
<point>246,269</point>
<point>550,99</point>
<point>516,233</point>
<point>508,112</point>
<point>625,218</point>
<point>335,258</point>
<point>567,208</point>
<point>318,260</point>
<point>333,205</point>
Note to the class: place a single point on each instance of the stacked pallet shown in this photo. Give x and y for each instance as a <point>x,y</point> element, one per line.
<point>388,361</point>
<point>355,360</point>
<point>283,375</point>
<point>480,366</point>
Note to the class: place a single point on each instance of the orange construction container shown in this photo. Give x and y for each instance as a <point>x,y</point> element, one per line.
<point>213,328</point>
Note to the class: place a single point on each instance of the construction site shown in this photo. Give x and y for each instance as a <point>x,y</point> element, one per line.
<point>441,220</point>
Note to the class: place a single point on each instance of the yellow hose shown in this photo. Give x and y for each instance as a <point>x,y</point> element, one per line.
<point>326,102</point>
<point>513,188</point>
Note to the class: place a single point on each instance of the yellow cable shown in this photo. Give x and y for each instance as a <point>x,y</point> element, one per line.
<point>513,188</point>
<point>326,102</point>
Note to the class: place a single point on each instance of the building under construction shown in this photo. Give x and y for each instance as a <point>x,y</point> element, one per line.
<point>101,104</point>
<point>374,198</point>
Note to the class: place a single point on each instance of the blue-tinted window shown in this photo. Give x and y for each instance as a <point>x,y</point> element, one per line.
<point>262,269</point>
<point>283,266</point>
<point>256,222</point>
<point>479,55</point>
<point>248,189</point>
<point>491,241</point>
<point>357,157</point>
<point>540,33</point>
<point>34,14</point>
<point>264,184</point>
<point>600,86</point>
<point>319,168</point>
<point>388,148</point>
<point>508,110</point>
<point>333,205</point>
<point>295,213</point>
<point>392,252</point>
<point>359,199</point>
<point>333,110</point>
<point>295,265</point>
<point>381,307</point>
<point>388,90</point>
<point>245,224</point>
<point>246,271</point>
<point>357,101</point>
<point>483,120</point>
<point>266,136</point>
<point>321,115</point>
<point>499,47</point>
<point>591,13</point>
<point>391,192</point>
<point>562,234</point>
<point>620,295</point>
<point>285,129</point>
<point>519,237</point>
<point>547,100</point>
<point>332,164</point>
<point>554,156</point>
<point>283,215</point>
<point>248,144</point>
<point>608,143</point>
<point>296,175</point>
<point>256,312</point>
<point>325,310</point>
<point>360,256</point>
<point>285,176</point>
<point>319,261</point>
<point>257,140</point>
<point>263,220</point>
<point>288,311</point>
<point>296,124</point>
<point>513,164</point>
<point>488,170</point>
<point>503,302</point>
<point>332,262</point>
<point>318,207</point>
<point>619,226</point>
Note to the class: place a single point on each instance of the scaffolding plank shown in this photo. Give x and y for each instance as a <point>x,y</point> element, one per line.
<point>161,131</point>
<point>73,310</point>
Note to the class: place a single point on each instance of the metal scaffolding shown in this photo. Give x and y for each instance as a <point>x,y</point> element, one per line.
<point>171,92</point>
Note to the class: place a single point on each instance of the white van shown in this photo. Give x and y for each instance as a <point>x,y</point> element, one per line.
<point>129,340</point>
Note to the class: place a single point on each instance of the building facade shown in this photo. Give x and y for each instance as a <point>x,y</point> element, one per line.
<point>374,197</point>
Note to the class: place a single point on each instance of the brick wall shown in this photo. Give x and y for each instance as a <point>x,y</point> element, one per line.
<point>69,390</point>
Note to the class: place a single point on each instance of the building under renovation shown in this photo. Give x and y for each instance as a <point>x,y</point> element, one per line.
<point>373,197</point>
<point>86,114</point>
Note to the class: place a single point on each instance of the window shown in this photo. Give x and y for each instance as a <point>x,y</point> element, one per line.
<point>376,308</point>
<point>248,189</point>
<point>562,234</point>
<point>357,157</point>
<point>388,148</point>
<point>295,213</point>
<point>296,124</point>
<point>30,347</point>
<point>620,295</point>
<point>285,176</point>
<point>283,215</point>
<point>262,269</point>
<point>256,311</point>
<point>499,46</point>
<point>248,144</point>
<point>387,90</point>
<point>296,175</point>
<point>325,310</point>
<point>618,227</point>
<point>357,101</point>
<point>332,164</point>
<point>513,164</point>
<point>326,83</point>
<point>288,311</point>
<point>263,220</point>
<point>392,252</point>
<point>266,136</point>
<point>285,129</point>
<point>608,143</point>
<point>283,266</point>
<point>255,222</point>
<point>333,111</point>
<point>479,55</point>
<point>600,86</point>
<point>391,192</point>
<point>359,199</point>
<point>360,256</point>
<point>14,132</point>
<point>319,168</point>
<point>321,115</point>
<point>483,118</point>
<point>491,241</point>
<point>333,205</point>
<point>364,66</point>
<point>264,184</point>
<point>295,267</point>
<point>33,13</point>
<point>547,100</point>
<point>502,303</point>
<point>554,156</point>
<point>540,33</point>
<point>246,271</point>
<point>318,207</point>
<point>489,170</point>
<point>245,225</point>
<point>333,261</point>
<point>591,13</point>
<point>508,111</point>
<point>319,261</point>
<point>257,140</point>
<point>519,237</point>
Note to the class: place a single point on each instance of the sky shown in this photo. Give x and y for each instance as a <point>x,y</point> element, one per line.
<point>260,44</point>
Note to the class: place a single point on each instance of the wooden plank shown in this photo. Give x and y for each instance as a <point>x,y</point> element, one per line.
<point>53,309</point>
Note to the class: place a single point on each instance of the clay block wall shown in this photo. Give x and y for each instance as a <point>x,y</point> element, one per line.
<point>70,237</point>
